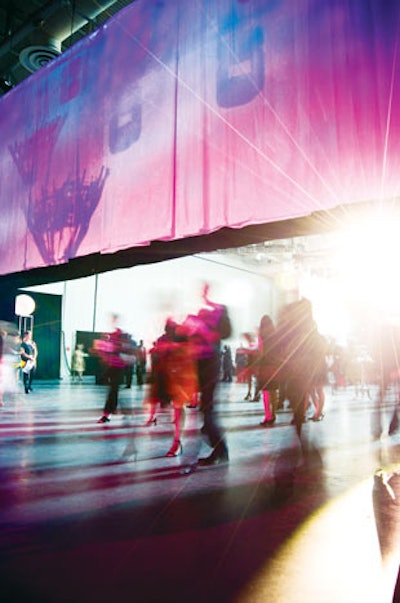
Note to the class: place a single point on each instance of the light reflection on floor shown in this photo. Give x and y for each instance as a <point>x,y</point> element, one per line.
<point>101,503</point>
<point>333,557</point>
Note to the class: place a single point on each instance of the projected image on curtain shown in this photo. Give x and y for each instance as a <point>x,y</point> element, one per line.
<point>58,217</point>
<point>180,118</point>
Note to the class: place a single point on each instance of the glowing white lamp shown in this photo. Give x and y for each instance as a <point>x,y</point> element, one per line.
<point>24,305</point>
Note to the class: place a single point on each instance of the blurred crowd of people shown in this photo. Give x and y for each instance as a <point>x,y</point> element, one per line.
<point>286,361</point>
<point>289,361</point>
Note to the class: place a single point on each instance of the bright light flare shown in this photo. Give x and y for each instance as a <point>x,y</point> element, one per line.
<point>329,310</point>
<point>367,263</point>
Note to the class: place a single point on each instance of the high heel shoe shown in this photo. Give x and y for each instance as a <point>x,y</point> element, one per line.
<point>176,449</point>
<point>317,417</point>
<point>151,421</point>
<point>268,422</point>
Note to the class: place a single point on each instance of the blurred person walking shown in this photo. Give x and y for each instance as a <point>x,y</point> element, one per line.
<point>268,369</point>
<point>250,350</point>
<point>294,331</point>
<point>115,351</point>
<point>207,329</point>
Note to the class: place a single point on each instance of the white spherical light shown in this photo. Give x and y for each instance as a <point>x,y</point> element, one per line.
<point>24,305</point>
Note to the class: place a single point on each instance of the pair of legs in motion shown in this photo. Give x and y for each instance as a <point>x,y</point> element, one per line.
<point>208,377</point>
<point>178,420</point>
<point>318,399</point>
<point>251,376</point>
<point>299,399</point>
<point>208,373</point>
<point>270,401</point>
<point>115,377</point>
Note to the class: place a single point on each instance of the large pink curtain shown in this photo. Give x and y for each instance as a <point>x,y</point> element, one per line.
<point>178,118</point>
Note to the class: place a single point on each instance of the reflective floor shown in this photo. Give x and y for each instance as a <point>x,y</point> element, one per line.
<point>95,512</point>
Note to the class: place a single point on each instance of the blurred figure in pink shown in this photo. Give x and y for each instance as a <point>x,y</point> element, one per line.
<point>207,329</point>
<point>174,377</point>
<point>115,351</point>
<point>182,382</point>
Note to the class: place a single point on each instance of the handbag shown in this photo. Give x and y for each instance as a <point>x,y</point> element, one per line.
<point>28,366</point>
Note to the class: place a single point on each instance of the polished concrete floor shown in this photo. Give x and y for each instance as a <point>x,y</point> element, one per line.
<point>97,513</point>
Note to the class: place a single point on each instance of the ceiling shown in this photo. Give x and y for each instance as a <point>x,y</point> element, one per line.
<point>34,32</point>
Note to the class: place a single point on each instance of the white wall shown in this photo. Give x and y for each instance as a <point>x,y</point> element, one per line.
<point>144,296</point>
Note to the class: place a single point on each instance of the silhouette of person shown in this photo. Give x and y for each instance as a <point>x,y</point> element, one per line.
<point>29,353</point>
<point>295,333</point>
<point>141,361</point>
<point>268,366</point>
<point>227,364</point>
<point>251,355</point>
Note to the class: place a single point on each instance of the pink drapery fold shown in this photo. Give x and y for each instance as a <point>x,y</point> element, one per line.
<point>176,119</point>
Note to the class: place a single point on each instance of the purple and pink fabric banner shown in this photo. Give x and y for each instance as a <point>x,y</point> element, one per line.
<point>178,118</point>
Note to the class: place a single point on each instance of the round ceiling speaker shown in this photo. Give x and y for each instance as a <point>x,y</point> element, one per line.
<point>36,57</point>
